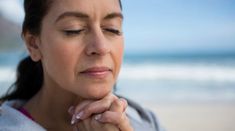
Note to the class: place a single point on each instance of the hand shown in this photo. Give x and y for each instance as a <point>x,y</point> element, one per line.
<point>91,124</point>
<point>105,114</point>
<point>116,115</point>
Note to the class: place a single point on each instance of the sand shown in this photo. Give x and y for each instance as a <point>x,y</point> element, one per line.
<point>196,117</point>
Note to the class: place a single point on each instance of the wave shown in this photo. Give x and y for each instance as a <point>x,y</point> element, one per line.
<point>183,82</point>
<point>7,74</point>
<point>185,72</point>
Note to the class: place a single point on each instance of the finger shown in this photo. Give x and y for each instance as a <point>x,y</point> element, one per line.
<point>72,111</point>
<point>84,125</point>
<point>119,105</point>
<point>82,105</point>
<point>91,124</point>
<point>125,104</point>
<point>95,107</point>
<point>116,118</point>
<point>104,126</point>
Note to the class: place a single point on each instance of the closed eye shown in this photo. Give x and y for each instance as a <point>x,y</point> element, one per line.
<point>114,31</point>
<point>73,32</point>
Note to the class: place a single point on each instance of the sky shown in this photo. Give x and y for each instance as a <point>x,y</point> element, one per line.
<point>168,26</point>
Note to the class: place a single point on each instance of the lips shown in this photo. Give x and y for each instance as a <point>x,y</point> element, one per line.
<point>97,72</point>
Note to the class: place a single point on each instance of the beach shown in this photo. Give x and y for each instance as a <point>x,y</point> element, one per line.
<point>187,94</point>
<point>195,117</point>
<point>191,94</point>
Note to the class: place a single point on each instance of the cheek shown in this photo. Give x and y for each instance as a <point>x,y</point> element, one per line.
<point>59,59</point>
<point>58,56</point>
<point>118,57</point>
<point>60,52</point>
<point>57,65</point>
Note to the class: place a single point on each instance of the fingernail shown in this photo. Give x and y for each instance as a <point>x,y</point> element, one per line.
<point>98,117</point>
<point>79,115</point>
<point>122,99</point>
<point>71,109</point>
<point>73,120</point>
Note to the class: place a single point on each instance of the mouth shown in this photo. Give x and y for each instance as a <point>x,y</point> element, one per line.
<point>97,72</point>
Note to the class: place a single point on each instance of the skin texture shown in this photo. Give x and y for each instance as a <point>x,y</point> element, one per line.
<point>80,47</point>
<point>65,56</point>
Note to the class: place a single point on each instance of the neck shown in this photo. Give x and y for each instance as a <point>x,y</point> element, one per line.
<point>49,107</point>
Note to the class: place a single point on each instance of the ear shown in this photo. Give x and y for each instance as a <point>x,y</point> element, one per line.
<point>32,43</point>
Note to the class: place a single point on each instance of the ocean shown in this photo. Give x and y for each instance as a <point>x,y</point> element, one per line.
<point>160,79</point>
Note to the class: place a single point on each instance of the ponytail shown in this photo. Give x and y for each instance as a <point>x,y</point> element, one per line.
<point>28,82</point>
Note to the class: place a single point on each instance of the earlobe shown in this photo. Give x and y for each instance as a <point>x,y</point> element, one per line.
<point>32,44</point>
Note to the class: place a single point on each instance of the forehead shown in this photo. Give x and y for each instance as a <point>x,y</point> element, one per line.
<point>93,8</point>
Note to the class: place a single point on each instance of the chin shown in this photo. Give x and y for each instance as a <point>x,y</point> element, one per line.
<point>95,93</point>
<point>98,96</point>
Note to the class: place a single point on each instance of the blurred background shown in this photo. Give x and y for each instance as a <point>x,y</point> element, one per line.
<point>179,59</point>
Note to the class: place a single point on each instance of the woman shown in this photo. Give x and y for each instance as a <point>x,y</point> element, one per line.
<point>75,49</point>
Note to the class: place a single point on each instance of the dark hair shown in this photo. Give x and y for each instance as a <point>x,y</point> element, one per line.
<point>29,78</point>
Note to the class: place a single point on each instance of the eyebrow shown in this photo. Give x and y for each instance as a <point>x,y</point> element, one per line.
<point>86,16</point>
<point>113,15</point>
<point>72,14</point>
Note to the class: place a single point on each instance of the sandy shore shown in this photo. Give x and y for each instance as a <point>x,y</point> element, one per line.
<point>196,117</point>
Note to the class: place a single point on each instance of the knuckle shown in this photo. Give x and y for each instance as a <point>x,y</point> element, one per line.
<point>105,104</point>
<point>107,118</point>
<point>112,97</point>
<point>118,102</point>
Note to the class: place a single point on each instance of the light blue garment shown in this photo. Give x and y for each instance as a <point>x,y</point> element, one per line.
<point>13,120</point>
<point>142,119</point>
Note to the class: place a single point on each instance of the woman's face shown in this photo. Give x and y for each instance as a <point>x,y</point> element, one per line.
<point>81,46</point>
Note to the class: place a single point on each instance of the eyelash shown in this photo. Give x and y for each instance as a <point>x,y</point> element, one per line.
<point>77,32</point>
<point>73,32</point>
<point>114,31</point>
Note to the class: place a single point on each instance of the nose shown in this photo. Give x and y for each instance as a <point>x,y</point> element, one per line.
<point>97,43</point>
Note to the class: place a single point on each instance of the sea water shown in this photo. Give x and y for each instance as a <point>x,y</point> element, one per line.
<point>160,79</point>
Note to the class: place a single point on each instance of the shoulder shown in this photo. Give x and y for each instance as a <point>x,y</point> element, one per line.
<point>11,119</point>
<point>142,118</point>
